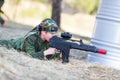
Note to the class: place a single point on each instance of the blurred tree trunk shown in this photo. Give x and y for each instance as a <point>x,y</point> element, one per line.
<point>56,11</point>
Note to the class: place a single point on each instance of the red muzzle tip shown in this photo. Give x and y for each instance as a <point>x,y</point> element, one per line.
<point>102,51</point>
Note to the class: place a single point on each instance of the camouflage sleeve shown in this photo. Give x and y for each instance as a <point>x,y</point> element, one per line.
<point>55,56</point>
<point>40,55</point>
<point>30,48</point>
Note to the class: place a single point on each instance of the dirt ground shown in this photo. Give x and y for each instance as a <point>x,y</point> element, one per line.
<point>19,66</point>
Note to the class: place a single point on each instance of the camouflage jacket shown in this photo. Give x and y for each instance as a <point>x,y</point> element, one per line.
<point>31,43</point>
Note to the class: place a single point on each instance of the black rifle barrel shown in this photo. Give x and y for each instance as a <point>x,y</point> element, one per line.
<point>90,48</point>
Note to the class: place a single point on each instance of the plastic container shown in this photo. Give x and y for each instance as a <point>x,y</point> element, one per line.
<point>107,34</point>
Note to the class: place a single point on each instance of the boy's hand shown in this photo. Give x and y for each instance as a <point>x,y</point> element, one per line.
<point>50,51</point>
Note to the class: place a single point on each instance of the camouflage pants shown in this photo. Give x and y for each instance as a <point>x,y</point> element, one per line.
<point>16,44</point>
<point>6,43</point>
<point>12,43</point>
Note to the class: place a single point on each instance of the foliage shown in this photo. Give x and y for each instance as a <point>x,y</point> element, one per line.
<point>15,2</point>
<point>42,1</point>
<point>18,1</point>
<point>88,6</point>
<point>30,8</point>
<point>36,11</point>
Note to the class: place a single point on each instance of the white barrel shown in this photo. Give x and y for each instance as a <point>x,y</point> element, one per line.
<point>107,34</point>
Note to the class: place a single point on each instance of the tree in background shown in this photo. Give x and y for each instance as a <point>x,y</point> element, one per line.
<point>56,11</point>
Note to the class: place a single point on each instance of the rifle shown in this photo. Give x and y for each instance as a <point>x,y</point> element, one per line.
<point>64,44</point>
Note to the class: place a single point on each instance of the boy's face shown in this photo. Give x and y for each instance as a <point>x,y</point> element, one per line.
<point>47,35</point>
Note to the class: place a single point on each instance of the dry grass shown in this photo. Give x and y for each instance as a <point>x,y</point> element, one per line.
<point>17,66</point>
